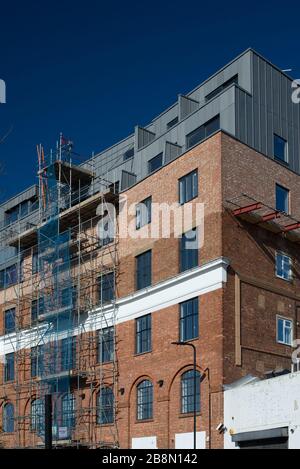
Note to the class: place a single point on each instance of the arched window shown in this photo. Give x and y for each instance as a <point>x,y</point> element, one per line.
<point>68,407</point>
<point>37,415</point>
<point>8,418</point>
<point>187,391</point>
<point>105,406</point>
<point>145,400</point>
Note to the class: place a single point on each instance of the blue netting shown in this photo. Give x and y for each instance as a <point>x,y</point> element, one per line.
<point>57,352</point>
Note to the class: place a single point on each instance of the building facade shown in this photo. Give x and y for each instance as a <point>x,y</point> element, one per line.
<point>95,322</point>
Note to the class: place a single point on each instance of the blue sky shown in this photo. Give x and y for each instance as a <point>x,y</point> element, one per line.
<point>94,69</point>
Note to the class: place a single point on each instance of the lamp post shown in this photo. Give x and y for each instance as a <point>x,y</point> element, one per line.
<point>195,386</point>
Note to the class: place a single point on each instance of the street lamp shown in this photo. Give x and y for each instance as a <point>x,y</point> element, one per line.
<point>195,386</point>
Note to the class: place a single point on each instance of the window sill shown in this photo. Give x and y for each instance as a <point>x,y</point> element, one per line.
<point>285,345</point>
<point>145,421</point>
<point>101,425</point>
<point>142,353</point>
<point>189,415</point>
<point>289,280</point>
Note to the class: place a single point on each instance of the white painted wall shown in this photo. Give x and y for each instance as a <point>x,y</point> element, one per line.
<point>264,405</point>
<point>186,440</point>
<point>148,442</point>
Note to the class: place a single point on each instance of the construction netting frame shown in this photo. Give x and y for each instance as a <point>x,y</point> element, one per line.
<point>56,347</point>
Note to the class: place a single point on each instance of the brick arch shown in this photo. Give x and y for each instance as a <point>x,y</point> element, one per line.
<point>134,384</point>
<point>178,373</point>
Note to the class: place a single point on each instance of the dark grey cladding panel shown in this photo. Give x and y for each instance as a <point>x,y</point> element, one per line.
<point>172,150</point>
<point>127,179</point>
<point>186,106</point>
<point>26,195</point>
<point>268,110</point>
<point>143,137</point>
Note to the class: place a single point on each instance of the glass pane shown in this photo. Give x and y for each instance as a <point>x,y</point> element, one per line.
<point>280,146</point>
<point>282,199</point>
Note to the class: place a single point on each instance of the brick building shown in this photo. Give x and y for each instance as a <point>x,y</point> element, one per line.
<point>93,322</point>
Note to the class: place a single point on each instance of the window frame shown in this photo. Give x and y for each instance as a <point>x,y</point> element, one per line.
<point>143,216</point>
<point>6,421</point>
<point>146,331</point>
<point>6,313</point>
<point>110,332</point>
<point>200,129</point>
<point>111,407</point>
<point>149,272</point>
<point>284,319</point>
<point>159,155</point>
<point>8,379</point>
<point>281,187</point>
<point>283,255</point>
<point>183,180</point>
<point>194,253</point>
<point>110,288</point>
<point>190,406</point>
<point>140,416</point>
<point>285,159</point>
<point>196,315</point>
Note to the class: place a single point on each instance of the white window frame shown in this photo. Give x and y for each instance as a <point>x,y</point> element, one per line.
<point>278,317</point>
<point>290,276</point>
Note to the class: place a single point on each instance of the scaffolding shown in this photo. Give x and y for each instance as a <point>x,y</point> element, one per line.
<point>64,310</point>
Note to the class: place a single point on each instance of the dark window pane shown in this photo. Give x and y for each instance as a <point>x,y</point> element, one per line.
<point>143,270</point>
<point>10,320</point>
<point>9,368</point>
<point>143,213</point>
<point>106,288</point>
<point>37,415</point>
<point>145,400</point>
<point>188,393</point>
<point>105,406</point>
<point>222,88</point>
<point>155,163</point>
<point>143,334</point>
<point>189,250</point>
<point>106,345</point>
<point>280,148</point>
<point>282,199</point>
<point>128,154</point>
<point>203,132</point>
<point>68,407</point>
<point>189,320</point>
<point>172,123</point>
<point>8,418</point>
<point>68,353</point>
<point>188,187</point>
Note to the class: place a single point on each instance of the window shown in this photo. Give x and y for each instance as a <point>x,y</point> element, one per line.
<point>189,250</point>
<point>143,334</point>
<point>37,308</point>
<point>283,266</point>
<point>143,270</point>
<point>280,148</point>
<point>9,276</point>
<point>187,391</point>
<point>284,331</point>
<point>8,418</point>
<point>35,262</point>
<point>106,345</point>
<point>68,406</point>
<point>128,154</point>
<point>145,400</point>
<point>172,123</point>
<point>222,88</point>
<point>106,285</point>
<point>105,406</point>
<point>68,353</point>
<point>282,199</point>
<point>10,320</point>
<point>36,360</point>
<point>202,132</point>
<point>37,415</point>
<point>155,163</point>
<point>143,213</point>
<point>189,320</point>
<point>188,187</point>
<point>9,368</point>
